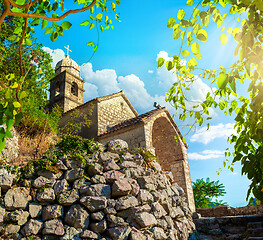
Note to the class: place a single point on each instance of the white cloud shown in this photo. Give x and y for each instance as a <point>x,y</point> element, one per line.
<point>150,71</point>
<point>206,154</point>
<point>217,131</point>
<point>106,81</point>
<point>57,55</point>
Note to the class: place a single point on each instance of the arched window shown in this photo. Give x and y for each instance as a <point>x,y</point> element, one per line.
<point>57,90</point>
<point>74,89</point>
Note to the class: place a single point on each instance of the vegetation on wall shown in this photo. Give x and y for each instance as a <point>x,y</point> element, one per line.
<point>206,193</point>
<point>248,68</point>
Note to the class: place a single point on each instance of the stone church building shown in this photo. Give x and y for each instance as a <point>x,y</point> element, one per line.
<point>114,117</point>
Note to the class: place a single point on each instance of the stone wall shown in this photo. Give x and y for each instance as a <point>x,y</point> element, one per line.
<point>11,150</point>
<point>112,112</point>
<point>134,136</point>
<point>111,196</point>
<point>228,211</point>
<point>230,228</point>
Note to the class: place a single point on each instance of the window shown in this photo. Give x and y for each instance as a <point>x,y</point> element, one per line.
<point>74,89</point>
<point>57,90</point>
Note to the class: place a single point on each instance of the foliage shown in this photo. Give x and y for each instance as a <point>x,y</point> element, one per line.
<point>77,120</point>
<point>148,159</point>
<point>74,143</point>
<point>73,146</point>
<point>205,191</point>
<point>248,112</point>
<point>146,154</point>
<point>28,15</point>
<point>253,201</point>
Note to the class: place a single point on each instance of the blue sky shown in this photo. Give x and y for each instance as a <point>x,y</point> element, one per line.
<point>126,60</point>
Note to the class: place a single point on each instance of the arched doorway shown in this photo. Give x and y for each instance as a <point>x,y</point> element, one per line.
<point>172,155</point>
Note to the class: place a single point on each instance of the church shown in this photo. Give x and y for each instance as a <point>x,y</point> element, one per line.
<point>114,117</point>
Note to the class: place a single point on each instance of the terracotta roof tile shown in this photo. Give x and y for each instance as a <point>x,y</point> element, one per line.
<point>131,121</point>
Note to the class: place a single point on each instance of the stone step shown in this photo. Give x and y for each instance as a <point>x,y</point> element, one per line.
<point>254,238</point>
<point>255,225</point>
<point>255,232</point>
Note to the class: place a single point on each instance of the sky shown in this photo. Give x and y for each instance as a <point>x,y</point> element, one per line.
<point>127,60</point>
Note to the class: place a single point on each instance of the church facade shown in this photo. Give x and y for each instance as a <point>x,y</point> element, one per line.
<point>114,117</point>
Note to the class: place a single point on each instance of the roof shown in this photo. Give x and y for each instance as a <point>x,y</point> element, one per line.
<point>141,119</point>
<point>100,99</point>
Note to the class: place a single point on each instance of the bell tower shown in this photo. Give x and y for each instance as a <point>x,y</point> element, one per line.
<point>66,88</point>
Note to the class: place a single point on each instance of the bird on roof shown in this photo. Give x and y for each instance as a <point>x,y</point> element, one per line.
<point>157,105</point>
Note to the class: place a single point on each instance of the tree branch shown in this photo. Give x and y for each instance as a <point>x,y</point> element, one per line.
<point>28,15</point>
<point>4,13</point>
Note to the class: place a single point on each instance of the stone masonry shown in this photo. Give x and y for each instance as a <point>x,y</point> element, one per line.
<point>109,196</point>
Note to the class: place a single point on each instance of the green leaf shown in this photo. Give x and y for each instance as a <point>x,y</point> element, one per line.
<point>28,42</point>
<point>44,23</point>
<point>160,62</point>
<point>185,53</point>
<point>23,94</point>
<point>113,6</point>
<point>35,22</point>
<point>118,1</point>
<point>180,14</point>
<point>99,16</point>
<point>92,25</point>
<point>8,134</point>
<point>171,22</point>
<point>53,36</point>
<point>48,30</point>
<point>195,48</point>
<point>2,144</point>
<point>232,84</point>
<point>95,48</point>
<point>169,65</point>
<point>14,85</point>
<point>85,23</point>
<point>9,124</point>
<point>16,104</point>
<point>90,44</point>
<point>222,80</point>
<point>18,117</point>
<point>66,25</point>
<point>202,35</point>
<point>176,33</point>
<point>224,39</point>
<point>190,2</point>
<point>54,15</point>
<point>192,63</point>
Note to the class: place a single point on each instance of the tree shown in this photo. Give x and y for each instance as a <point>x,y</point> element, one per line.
<point>48,14</point>
<point>205,191</point>
<point>39,73</point>
<point>248,112</point>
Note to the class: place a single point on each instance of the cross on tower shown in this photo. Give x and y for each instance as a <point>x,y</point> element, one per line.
<point>68,50</point>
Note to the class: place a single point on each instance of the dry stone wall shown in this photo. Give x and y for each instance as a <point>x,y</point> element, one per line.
<point>114,196</point>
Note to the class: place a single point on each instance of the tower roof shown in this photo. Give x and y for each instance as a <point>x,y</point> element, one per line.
<point>67,62</point>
